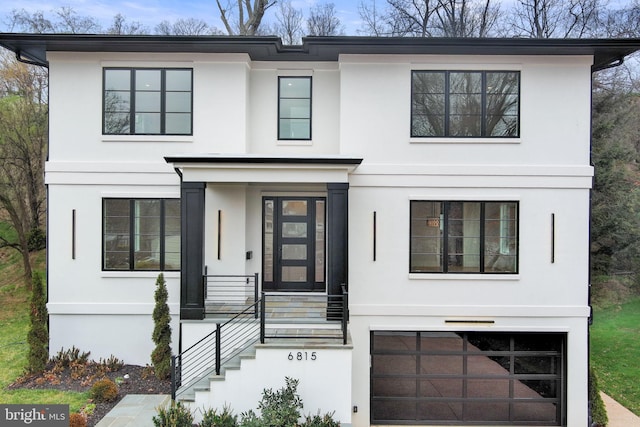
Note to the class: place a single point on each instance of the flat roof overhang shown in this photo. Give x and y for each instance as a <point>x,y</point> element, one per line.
<point>34,47</point>
<point>246,168</point>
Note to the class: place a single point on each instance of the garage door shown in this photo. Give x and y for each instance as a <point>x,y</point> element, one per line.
<point>467,378</point>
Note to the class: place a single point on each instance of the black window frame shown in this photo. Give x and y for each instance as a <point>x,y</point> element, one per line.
<point>132,100</point>
<point>447,104</point>
<point>310,98</point>
<point>513,362</point>
<point>444,249</point>
<point>132,234</point>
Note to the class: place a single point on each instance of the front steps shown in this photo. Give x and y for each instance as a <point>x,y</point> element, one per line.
<point>322,366</point>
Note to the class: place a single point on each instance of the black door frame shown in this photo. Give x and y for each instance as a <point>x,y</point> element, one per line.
<point>277,262</point>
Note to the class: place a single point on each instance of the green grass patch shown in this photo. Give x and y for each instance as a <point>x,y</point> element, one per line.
<point>615,352</point>
<point>14,318</point>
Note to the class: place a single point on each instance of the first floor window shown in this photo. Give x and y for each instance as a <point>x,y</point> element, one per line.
<point>147,101</point>
<point>141,234</point>
<point>473,378</point>
<point>464,237</point>
<point>465,104</point>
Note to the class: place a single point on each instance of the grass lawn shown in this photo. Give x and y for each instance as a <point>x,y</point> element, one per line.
<point>615,352</point>
<point>14,318</point>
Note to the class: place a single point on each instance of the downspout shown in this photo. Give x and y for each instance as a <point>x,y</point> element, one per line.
<point>19,58</point>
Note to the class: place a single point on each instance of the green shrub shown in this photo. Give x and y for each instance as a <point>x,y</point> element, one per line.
<point>176,415</point>
<point>210,418</point>
<point>317,420</point>
<point>104,390</point>
<point>36,239</point>
<point>250,419</point>
<point>161,355</point>
<point>598,410</point>
<point>38,337</point>
<point>281,408</point>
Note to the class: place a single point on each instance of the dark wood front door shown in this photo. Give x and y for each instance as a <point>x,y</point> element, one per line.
<point>294,243</point>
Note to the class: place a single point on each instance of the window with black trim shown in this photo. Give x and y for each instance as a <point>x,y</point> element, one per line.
<point>148,101</point>
<point>294,108</point>
<point>463,237</point>
<point>141,234</point>
<point>465,104</point>
<point>468,378</point>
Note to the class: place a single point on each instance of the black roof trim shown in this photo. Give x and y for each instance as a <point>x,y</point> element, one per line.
<point>606,52</point>
<point>240,159</point>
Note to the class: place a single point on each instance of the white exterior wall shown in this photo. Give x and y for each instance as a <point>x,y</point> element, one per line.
<point>361,108</point>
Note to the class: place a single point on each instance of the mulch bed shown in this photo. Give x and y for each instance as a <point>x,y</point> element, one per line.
<point>131,379</point>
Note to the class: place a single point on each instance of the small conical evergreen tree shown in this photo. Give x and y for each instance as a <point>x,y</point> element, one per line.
<point>38,337</point>
<point>161,355</point>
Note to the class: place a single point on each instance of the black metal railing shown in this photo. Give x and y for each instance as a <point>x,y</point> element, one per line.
<point>212,352</point>
<point>309,316</point>
<point>228,295</point>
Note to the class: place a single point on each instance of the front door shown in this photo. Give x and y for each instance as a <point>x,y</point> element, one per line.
<point>293,243</point>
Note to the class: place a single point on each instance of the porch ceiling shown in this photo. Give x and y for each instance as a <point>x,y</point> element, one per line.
<point>246,168</point>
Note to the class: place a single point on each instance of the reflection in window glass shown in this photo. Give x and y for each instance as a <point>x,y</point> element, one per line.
<point>147,101</point>
<point>465,103</point>
<point>469,373</point>
<point>141,234</point>
<point>294,108</point>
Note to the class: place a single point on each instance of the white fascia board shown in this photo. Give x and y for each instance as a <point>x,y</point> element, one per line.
<point>105,173</point>
<point>106,308</point>
<point>264,174</point>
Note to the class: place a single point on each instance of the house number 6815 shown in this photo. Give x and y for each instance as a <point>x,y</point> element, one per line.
<point>302,355</point>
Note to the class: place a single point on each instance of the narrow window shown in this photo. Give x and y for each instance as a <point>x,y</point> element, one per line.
<point>147,101</point>
<point>464,237</point>
<point>141,234</point>
<point>294,108</point>
<point>465,104</point>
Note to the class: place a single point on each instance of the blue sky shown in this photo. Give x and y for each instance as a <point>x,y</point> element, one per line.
<point>151,12</point>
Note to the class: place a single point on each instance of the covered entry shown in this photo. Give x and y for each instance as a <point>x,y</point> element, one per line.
<point>304,236</point>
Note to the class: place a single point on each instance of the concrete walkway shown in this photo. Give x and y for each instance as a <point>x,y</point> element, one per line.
<point>619,416</point>
<point>138,410</point>
<point>135,410</point>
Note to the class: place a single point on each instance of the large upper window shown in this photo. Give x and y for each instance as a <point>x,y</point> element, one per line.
<point>141,234</point>
<point>464,237</point>
<point>294,108</point>
<point>465,104</point>
<point>147,101</point>
<point>468,378</point>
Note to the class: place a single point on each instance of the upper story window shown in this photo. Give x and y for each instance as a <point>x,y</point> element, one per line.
<point>294,108</point>
<point>141,234</point>
<point>147,101</point>
<point>464,237</point>
<point>465,104</point>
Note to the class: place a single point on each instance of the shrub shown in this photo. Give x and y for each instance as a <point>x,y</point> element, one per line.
<point>38,337</point>
<point>161,355</point>
<point>282,407</point>
<point>36,239</point>
<point>177,415</point>
<point>72,356</point>
<point>317,420</point>
<point>598,410</point>
<point>210,418</point>
<point>77,420</point>
<point>104,390</point>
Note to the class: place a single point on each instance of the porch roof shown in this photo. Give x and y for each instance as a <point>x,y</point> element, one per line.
<point>248,168</point>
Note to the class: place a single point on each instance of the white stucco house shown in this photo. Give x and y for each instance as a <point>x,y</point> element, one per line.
<point>404,221</point>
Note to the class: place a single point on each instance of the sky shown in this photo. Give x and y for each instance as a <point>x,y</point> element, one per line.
<point>152,12</point>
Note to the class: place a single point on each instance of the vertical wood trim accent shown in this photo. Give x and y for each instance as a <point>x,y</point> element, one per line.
<point>553,238</point>
<point>219,232</point>
<point>73,234</point>
<point>375,234</point>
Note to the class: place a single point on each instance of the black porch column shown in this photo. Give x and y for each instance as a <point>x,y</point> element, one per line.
<point>337,236</point>
<point>192,250</point>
